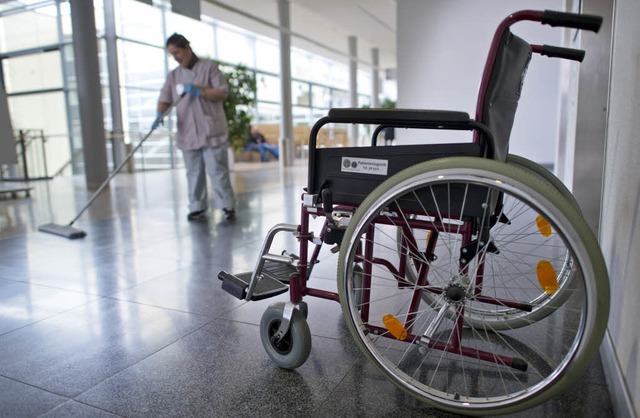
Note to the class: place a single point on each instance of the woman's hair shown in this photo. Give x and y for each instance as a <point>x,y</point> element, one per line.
<point>177,40</point>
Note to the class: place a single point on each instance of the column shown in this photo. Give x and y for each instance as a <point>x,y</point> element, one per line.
<point>353,86</point>
<point>286,115</point>
<point>8,153</point>
<point>117,130</point>
<point>89,92</point>
<point>375,78</point>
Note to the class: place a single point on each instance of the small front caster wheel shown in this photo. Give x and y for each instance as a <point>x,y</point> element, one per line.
<point>294,348</point>
<point>304,309</point>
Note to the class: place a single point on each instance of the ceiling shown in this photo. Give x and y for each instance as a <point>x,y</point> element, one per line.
<point>321,26</point>
<point>373,22</point>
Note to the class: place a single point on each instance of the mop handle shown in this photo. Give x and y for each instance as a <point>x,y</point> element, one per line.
<point>122,164</point>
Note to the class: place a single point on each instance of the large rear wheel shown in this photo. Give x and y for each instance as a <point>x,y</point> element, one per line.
<point>487,241</point>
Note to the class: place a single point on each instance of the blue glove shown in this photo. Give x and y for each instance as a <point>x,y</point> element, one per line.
<point>192,90</point>
<point>158,121</point>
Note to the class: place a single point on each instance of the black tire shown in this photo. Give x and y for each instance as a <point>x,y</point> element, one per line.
<point>294,348</point>
<point>546,175</point>
<point>422,348</point>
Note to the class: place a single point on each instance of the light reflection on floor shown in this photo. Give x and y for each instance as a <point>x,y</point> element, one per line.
<point>131,320</point>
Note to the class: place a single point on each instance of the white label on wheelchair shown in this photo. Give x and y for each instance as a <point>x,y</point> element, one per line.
<point>364,165</point>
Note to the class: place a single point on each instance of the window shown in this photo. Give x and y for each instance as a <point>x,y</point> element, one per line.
<point>268,113</point>
<point>235,47</point>
<point>268,88</point>
<point>24,73</point>
<point>42,86</point>
<point>199,34</point>
<point>364,82</point>
<point>29,29</point>
<point>321,97</point>
<point>139,21</point>
<point>300,93</point>
<point>340,98</point>
<point>267,56</point>
<point>142,65</point>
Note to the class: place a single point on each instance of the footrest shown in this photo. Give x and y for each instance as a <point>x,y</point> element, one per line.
<point>278,271</point>
<point>237,285</point>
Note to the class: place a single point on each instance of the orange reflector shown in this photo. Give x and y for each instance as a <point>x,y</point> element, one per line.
<point>547,277</point>
<point>543,226</point>
<point>394,326</point>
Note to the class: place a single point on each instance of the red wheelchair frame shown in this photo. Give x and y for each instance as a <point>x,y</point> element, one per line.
<point>336,192</point>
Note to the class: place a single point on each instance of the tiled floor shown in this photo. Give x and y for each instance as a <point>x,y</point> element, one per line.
<point>132,321</point>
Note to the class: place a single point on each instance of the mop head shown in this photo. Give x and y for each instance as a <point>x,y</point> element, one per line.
<point>66,231</point>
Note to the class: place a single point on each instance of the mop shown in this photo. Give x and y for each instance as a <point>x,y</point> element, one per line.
<point>68,231</point>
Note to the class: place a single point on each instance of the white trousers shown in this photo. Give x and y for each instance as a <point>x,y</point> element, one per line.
<point>215,161</point>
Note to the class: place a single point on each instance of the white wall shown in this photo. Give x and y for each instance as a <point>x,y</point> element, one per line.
<point>620,221</point>
<point>442,47</point>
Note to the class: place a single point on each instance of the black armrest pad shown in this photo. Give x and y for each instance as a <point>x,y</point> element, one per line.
<point>396,116</point>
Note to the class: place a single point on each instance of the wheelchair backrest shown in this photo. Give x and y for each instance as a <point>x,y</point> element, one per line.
<point>503,91</point>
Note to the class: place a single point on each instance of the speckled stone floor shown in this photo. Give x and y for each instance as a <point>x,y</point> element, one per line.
<point>132,321</point>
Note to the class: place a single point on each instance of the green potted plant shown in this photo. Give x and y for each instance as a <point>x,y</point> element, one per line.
<point>239,103</point>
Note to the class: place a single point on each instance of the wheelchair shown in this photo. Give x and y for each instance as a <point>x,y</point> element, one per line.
<point>467,275</point>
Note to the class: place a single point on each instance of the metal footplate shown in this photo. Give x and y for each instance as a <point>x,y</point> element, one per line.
<point>275,277</point>
<point>271,275</point>
<point>237,286</point>
<point>278,271</point>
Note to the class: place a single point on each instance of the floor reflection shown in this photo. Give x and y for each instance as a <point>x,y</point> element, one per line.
<point>132,321</point>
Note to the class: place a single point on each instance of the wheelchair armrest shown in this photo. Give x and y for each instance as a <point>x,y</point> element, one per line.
<point>398,117</point>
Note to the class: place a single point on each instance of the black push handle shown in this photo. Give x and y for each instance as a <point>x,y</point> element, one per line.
<point>565,53</point>
<point>572,20</point>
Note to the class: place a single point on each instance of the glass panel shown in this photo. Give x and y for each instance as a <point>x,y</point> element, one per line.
<point>364,101</point>
<point>300,93</point>
<point>139,21</point>
<point>317,114</point>
<point>364,82</point>
<point>65,18</point>
<point>321,97</point>
<point>141,110</point>
<point>142,66</point>
<point>390,90</point>
<point>102,63</point>
<point>321,70</point>
<point>301,65</point>
<point>311,67</point>
<point>9,5</point>
<point>199,34</point>
<point>268,113</point>
<point>267,55</point>
<point>339,76</point>
<point>268,88</point>
<point>301,115</point>
<point>46,112</point>
<point>98,7</point>
<point>33,72</point>
<point>29,29</point>
<point>340,99</point>
<point>235,47</point>
<point>157,152</point>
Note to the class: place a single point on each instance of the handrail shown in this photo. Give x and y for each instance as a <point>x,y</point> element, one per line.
<point>34,161</point>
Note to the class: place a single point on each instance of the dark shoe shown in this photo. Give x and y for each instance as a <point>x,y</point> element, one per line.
<point>229,214</point>
<point>197,215</point>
